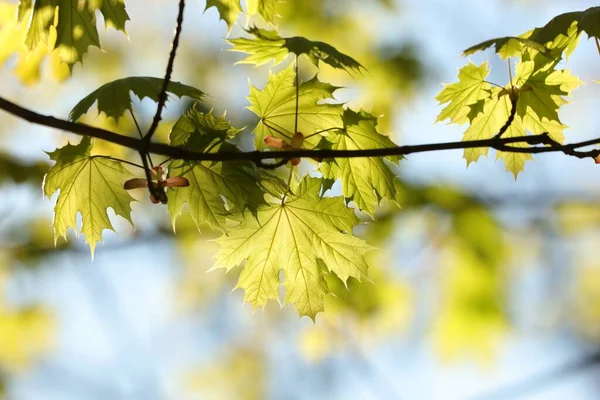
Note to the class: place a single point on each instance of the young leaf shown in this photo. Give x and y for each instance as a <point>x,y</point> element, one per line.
<point>264,8</point>
<point>88,185</point>
<point>229,10</point>
<point>69,25</point>
<point>216,189</point>
<point>364,180</point>
<point>560,35</point>
<point>470,88</point>
<point>506,47</point>
<point>114,98</point>
<point>546,88</point>
<point>304,237</point>
<point>268,45</point>
<point>276,107</point>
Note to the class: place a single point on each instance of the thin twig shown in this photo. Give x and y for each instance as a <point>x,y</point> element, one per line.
<point>162,96</point>
<point>136,124</point>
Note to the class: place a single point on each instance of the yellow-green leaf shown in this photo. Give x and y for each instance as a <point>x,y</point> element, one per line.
<point>88,185</point>
<point>229,10</point>
<point>470,88</point>
<point>276,107</point>
<point>366,181</point>
<point>304,237</point>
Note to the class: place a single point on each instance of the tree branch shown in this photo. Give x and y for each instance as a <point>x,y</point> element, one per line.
<point>162,96</point>
<point>502,144</point>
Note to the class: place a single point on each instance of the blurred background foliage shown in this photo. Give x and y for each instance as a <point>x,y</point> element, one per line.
<point>459,270</point>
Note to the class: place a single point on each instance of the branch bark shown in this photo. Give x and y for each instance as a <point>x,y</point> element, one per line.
<point>548,145</point>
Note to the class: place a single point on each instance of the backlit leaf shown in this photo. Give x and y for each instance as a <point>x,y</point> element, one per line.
<point>69,26</point>
<point>88,185</point>
<point>304,237</point>
<point>229,10</point>
<point>276,107</point>
<point>264,8</point>
<point>216,189</point>
<point>364,180</point>
<point>114,98</point>
<point>470,88</point>
<point>268,45</point>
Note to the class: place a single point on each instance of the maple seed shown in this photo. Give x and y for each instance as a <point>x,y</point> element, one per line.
<point>278,143</point>
<point>159,181</point>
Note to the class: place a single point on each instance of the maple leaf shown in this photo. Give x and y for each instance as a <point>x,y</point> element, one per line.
<point>264,8</point>
<point>305,236</point>
<point>229,10</point>
<point>486,125</point>
<point>69,25</point>
<point>88,185</point>
<point>366,181</point>
<point>268,45</point>
<point>470,88</point>
<point>506,47</point>
<point>546,88</point>
<point>114,98</point>
<point>276,107</point>
<point>216,189</point>
<point>560,35</point>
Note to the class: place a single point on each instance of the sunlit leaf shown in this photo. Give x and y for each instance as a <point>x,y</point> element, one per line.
<point>268,45</point>
<point>264,8</point>
<point>276,107</point>
<point>88,185</point>
<point>229,10</point>
<point>304,236</point>
<point>470,88</point>
<point>69,25</point>
<point>368,180</point>
<point>216,189</point>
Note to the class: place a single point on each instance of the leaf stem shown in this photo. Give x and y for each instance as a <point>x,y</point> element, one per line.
<point>264,121</point>
<point>322,131</point>
<point>289,183</point>
<point>119,160</point>
<point>597,44</point>
<point>136,124</point>
<point>141,135</point>
<point>297,95</point>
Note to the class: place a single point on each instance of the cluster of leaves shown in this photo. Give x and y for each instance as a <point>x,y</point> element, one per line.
<point>534,93</point>
<point>280,224</point>
<point>63,29</point>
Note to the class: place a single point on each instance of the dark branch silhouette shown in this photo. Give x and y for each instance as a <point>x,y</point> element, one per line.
<point>162,96</point>
<point>549,145</point>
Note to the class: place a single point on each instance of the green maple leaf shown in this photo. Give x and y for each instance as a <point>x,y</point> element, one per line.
<point>506,47</point>
<point>216,189</point>
<point>114,98</point>
<point>561,34</point>
<point>88,185</point>
<point>546,88</point>
<point>366,181</point>
<point>229,10</point>
<point>470,88</point>
<point>487,124</point>
<point>268,45</point>
<point>264,8</point>
<point>515,162</point>
<point>71,22</point>
<point>276,107</point>
<point>305,237</point>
